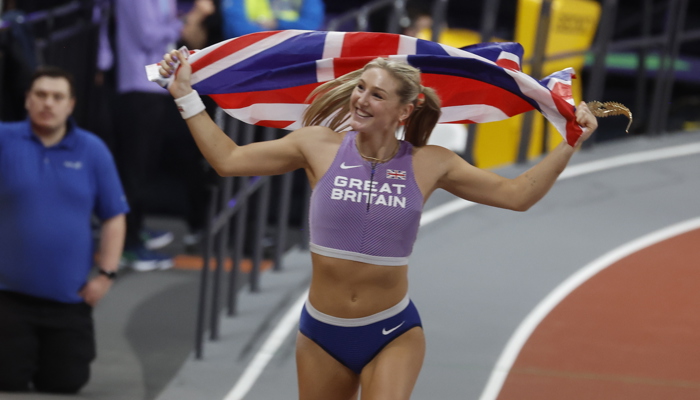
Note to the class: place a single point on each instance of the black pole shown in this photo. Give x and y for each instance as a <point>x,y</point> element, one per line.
<point>283,219</point>
<point>263,202</point>
<point>221,253</point>
<point>596,82</point>
<point>239,224</point>
<point>670,71</point>
<point>204,275</point>
<point>489,15</point>
<point>438,12</point>
<point>215,282</point>
<point>238,248</point>
<point>641,84</point>
<point>488,27</point>
<point>656,111</point>
<point>397,13</point>
<point>536,72</point>
<point>305,217</point>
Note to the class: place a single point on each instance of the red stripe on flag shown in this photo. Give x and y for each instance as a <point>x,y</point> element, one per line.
<point>563,90</point>
<point>231,47</point>
<point>342,66</point>
<point>464,121</point>
<point>509,64</point>
<point>362,44</point>
<point>573,130</point>
<point>292,95</point>
<point>459,91</point>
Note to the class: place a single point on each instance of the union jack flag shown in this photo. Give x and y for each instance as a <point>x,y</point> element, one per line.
<point>264,78</point>
<point>396,174</point>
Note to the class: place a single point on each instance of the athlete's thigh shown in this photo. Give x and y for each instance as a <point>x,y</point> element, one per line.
<point>392,374</point>
<point>320,376</point>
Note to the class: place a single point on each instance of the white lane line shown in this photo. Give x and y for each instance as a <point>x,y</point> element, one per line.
<point>444,210</point>
<point>630,159</point>
<point>267,351</point>
<point>291,318</point>
<point>523,332</point>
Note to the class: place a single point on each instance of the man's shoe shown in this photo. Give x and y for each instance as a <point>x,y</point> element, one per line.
<point>141,259</point>
<point>153,239</point>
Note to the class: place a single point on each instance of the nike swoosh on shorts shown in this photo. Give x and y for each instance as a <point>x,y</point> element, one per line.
<point>386,332</point>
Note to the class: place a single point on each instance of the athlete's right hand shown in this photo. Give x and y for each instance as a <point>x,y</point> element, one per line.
<point>180,86</point>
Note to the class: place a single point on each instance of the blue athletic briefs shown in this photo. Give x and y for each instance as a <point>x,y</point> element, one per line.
<point>354,342</point>
<point>47,198</point>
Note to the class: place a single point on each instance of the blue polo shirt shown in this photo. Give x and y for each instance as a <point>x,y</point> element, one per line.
<point>47,198</point>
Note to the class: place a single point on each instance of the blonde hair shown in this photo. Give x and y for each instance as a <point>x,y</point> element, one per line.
<point>331,100</point>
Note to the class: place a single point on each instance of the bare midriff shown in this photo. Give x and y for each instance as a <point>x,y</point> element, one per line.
<point>351,289</point>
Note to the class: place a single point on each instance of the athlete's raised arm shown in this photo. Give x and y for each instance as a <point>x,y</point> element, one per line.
<point>225,156</point>
<point>521,193</point>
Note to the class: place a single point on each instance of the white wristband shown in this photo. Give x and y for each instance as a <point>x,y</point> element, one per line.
<point>190,105</point>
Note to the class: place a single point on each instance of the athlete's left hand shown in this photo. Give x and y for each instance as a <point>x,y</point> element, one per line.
<point>586,120</point>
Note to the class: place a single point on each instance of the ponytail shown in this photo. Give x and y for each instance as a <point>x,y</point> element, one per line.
<point>420,124</point>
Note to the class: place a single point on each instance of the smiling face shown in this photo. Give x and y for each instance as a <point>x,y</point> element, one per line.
<point>375,105</point>
<point>49,104</point>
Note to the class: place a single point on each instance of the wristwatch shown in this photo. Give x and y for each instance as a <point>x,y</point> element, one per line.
<point>109,274</point>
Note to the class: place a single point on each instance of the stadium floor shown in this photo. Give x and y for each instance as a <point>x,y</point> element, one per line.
<point>590,294</point>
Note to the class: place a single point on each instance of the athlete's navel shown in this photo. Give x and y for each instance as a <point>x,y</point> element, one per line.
<point>353,297</point>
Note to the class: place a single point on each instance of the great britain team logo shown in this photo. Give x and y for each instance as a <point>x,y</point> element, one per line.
<point>396,174</point>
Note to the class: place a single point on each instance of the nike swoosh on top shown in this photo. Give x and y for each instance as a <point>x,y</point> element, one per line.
<point>343,166</point>
<point>386,332</point>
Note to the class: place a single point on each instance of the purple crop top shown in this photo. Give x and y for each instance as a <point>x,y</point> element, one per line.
<point>364,215</point>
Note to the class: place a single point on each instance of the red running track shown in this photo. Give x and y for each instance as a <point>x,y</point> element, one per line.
<point>632,331</point>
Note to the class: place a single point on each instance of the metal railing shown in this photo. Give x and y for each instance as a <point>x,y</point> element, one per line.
<point>227,230</point>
